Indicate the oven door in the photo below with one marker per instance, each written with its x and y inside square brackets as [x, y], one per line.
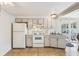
[38, 39]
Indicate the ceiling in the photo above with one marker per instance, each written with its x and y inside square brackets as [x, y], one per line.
[74, 14]
[36, 8]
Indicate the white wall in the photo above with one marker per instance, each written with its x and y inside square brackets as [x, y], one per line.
[5, 32]
[69, 21]
[54, 25]
[64, 20]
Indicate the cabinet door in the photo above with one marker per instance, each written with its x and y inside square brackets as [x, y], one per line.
[18, 20]
[45, 23]
[35, 21]
[47, 40]
[29, 41]
[29, 24]
[18, 40]
[41, 21]
[53, 42]
[61, 43]
[25, 20]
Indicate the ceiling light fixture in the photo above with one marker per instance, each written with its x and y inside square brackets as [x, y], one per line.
[53, 15]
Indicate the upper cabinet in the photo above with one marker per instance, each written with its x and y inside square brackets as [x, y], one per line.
[35, 21]
[39, 22]
[21, 20]
[18, 20]
[30, 23]
[45, 23]
[24, 20]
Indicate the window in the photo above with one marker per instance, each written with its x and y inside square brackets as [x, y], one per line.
[73, 25]
[64, 28]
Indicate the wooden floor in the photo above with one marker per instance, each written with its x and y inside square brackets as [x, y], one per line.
[36, 52]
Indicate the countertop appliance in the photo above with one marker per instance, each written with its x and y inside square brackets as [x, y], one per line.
[19, 31]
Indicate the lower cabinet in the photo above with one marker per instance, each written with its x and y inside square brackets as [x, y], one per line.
[61, 43]
[57, 41]
[47, 41]
[53, 42]
[29, 41]
[38, 45]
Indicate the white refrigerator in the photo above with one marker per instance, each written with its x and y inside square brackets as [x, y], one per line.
[19, 31]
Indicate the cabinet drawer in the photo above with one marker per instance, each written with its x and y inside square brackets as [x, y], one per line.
[38, 45]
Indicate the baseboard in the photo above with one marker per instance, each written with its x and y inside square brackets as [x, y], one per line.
[46, 46]
[29, 47]
[53, 47]
[5, 52]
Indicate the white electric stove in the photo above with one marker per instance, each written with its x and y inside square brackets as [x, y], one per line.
[38, 39]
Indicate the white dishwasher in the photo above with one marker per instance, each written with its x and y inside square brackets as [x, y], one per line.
[38, 40]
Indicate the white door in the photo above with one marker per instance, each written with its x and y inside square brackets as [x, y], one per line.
[18, 40]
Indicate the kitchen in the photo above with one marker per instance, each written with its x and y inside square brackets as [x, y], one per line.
[34, 32]
[38, 34]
